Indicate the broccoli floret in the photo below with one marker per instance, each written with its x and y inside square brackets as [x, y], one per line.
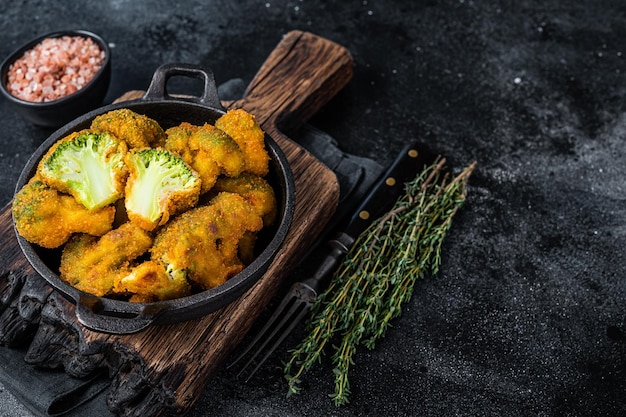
[208, 150]
[150, 281]
[48, 218]
[137, 130]
[160, 185]
[89, 166]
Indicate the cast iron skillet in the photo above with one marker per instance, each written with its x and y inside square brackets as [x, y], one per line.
[122, 317]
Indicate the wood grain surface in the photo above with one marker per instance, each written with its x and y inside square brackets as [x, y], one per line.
[167, 367]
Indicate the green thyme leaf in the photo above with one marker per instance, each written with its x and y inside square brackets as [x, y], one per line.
[378, 276]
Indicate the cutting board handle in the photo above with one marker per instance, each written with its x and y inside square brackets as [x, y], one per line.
[299, 77]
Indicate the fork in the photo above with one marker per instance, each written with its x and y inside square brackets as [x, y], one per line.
[302, 294]
[294, 306]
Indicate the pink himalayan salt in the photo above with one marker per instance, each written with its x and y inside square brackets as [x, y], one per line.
[54, 68]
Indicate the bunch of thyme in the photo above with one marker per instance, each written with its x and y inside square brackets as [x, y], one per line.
[378, 275]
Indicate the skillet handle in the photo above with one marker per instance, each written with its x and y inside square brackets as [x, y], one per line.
[158, 86]
[89, 314]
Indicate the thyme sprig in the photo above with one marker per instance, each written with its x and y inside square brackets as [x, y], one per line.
[378, 275]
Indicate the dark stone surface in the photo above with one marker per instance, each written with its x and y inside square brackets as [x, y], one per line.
[528, 313]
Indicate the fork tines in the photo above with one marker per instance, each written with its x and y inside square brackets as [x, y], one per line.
[292, 309]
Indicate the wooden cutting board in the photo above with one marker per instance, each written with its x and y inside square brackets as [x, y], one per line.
[167, 367]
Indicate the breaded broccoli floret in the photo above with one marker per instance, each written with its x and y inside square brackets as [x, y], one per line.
[48, 218]
[89, 166]
[160, 185]
[92, 264]
[137, 130]
[244, 129]
[150, 281]
[208, 150]
[256, 190]
[203, 243]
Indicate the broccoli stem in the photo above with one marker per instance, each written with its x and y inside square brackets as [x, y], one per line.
[96, 168]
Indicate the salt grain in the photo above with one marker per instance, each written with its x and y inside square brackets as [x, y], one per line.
[55, 68]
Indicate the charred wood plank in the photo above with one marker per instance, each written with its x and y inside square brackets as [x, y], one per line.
[20, 319]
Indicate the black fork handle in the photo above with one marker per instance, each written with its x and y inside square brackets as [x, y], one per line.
[340, 246]
[381, 197]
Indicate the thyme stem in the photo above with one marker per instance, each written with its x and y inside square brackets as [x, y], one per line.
[378, 275]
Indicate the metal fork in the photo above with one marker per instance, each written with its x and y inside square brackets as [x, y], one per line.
[303, 294]
[294, 306]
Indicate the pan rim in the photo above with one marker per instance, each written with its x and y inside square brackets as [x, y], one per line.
[194, 305]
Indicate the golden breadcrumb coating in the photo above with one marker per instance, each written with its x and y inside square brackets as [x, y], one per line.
[137, 130]
[244, 129]
[204, 241]
[92, 264]
[149, 282]
[256, 190]
[207, 149]
[48, 218]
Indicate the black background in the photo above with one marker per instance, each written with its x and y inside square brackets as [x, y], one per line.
[528, 313]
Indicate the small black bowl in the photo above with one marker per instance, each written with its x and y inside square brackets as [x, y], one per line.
[58, 112]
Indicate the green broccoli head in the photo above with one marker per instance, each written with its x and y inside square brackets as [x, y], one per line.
[89, 166]
[160, 185]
